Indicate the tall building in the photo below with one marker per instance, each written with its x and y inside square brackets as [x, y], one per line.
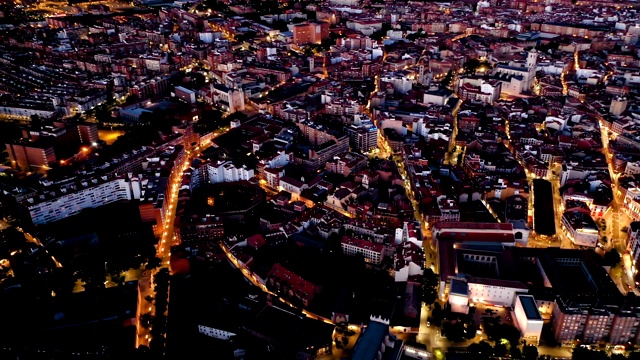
[88, 133]
[310, 33]
[31, 155]
[363, 134]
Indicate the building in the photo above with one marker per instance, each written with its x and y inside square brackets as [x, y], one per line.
[32, 155]
[215, 333]
[294, 186]
[310, 33]
[409, 261]
[372, 252]
[568, 322]
[580, 227]
[495, 292]
[346, 163]
[363, 134]
[291, 285]
[186, 95]
[226, 171]
[71, 198]
[633, 244]
[459, 296]
[478, 89]
[88, 133]
[528, 318]
[200, 229]
[376, 342]
[631, 204]
[229, 99]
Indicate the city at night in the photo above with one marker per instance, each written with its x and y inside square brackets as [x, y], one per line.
[320, 179]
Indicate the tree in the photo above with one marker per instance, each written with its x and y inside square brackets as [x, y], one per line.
[516, 353]
[612, 257]
[436, 314]
[500, 350]
[481, 350]
[446, 81]
[471, 65]
[529, 352]
[416, 35]
[430, 283]
[153, 263]
[458, 331]
[582, 353]
[146, 319]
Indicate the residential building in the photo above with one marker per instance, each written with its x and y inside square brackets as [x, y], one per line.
[363, 136]
[346, 163]
[226, 171]
[32, 155]
[580, 227]
[71, 198]
[291, 285]
[372, 252]
[310, 33]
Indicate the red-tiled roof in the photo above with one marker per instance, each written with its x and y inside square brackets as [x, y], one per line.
[300, 286]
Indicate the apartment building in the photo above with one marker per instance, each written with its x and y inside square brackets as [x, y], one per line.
[226, 171]
[372, 252]
[580, 227]
[310, 33]
[31, 155]
[71, 198]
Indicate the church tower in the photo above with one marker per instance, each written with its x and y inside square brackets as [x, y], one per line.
[532, 58]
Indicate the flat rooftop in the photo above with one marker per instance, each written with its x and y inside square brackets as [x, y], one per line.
[529, 307]
[459, 287]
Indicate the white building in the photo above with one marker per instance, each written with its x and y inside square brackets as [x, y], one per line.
[580, 228]
[631, 205]
[410, 261]
[280, 159]
[518, 78]
[459, 296]
[401, 83]
[292, 185]
[366, 27]
[215, 333]
[225, 171]
[528, 318]
[229, 99]
[494, 291]
[632, 168]
[69, 201]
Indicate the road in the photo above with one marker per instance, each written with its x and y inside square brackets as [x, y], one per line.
[164, 247]
[562, 239]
